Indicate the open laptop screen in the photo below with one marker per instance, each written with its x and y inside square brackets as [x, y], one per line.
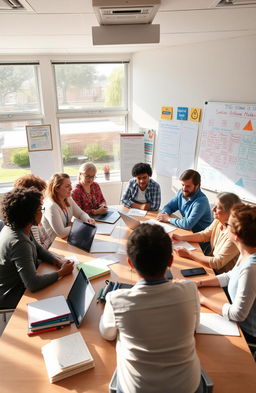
[80, 297]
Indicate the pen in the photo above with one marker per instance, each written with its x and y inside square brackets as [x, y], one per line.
[45, 330]
[99, 295]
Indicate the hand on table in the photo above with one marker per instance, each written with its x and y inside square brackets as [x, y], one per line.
[183, 252]
[66, 268]
[164, 217]
[101, 210]
[91, 221]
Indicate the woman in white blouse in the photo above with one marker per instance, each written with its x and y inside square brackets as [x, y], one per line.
[241, 280]
[60, 207]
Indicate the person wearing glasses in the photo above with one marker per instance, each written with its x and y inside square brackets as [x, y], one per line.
[240, 281]
[224, 252]
[87, 193]
[60, 208]
[38, 231]
[20, 254]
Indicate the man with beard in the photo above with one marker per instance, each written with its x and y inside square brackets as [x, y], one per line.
[191, 202]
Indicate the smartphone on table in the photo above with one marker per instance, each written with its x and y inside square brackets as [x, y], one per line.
[197, 271]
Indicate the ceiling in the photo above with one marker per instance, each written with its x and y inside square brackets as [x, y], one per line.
[64, 26]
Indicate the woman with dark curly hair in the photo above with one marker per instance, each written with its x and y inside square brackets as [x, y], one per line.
[19, 252]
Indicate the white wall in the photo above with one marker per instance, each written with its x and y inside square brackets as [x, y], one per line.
[189, 75]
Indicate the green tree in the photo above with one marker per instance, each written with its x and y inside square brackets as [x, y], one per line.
[74, 75]
[12, 79]
[114, 88]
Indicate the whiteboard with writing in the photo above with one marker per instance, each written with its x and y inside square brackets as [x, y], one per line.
[175, 147]
[227, 153]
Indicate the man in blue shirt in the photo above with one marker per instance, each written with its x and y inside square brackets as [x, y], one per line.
[142, 192]
[191, 202]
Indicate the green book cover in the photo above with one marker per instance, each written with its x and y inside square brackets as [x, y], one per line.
[93, 270]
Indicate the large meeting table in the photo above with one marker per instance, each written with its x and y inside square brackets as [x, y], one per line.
[226, 359]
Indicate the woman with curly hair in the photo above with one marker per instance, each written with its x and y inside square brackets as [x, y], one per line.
[20, 254]
[38, 231]
[60, 207]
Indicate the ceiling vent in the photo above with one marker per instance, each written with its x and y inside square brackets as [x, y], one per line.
[120, 12]
[15, 6]
[233, 3]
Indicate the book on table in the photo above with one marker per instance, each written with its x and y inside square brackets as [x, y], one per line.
[57, 311]
[66, 356]
[94, 269]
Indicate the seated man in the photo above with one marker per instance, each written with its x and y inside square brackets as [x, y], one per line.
[142, 192]
[154, 321]
[191, 202]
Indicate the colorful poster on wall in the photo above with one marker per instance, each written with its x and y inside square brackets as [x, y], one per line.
[166, 112]
[182, 113]
[195, 114]
[149, 139]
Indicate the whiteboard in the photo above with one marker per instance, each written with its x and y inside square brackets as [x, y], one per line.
[227, 152]
[131, 152]
[176, 146]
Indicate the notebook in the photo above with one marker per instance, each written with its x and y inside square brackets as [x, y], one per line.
[94, 269]
[81, 235]
[130, 221]
[66, 356]
[110, 217]
[51, 309]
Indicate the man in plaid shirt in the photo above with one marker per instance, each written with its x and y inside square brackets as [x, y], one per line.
[142, 192]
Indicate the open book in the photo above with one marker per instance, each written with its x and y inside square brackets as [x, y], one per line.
[66, 356]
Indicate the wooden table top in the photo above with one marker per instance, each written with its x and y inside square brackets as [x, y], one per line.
[226, 359]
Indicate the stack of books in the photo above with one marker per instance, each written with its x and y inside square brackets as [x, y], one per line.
[66, 356]
[48, 314]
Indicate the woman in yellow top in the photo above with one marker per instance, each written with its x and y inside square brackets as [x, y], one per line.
[224, 253]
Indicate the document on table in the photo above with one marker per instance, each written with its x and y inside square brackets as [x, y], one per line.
[104, 229]
[137, 212]
[168, 228]
[211, 323]
[102, 246]
[188, 246]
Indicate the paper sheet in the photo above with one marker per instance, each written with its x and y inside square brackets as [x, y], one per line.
[188, 246]
[211, 323]
[137, 212]
[168, 228]
[104, 229]
[102, 246]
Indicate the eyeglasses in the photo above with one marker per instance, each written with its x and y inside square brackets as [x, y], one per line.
[89, 177]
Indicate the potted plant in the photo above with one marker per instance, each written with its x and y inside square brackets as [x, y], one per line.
[106, 170]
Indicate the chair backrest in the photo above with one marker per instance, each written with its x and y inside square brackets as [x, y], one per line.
[1, 225]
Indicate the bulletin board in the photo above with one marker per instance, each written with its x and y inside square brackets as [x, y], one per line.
[227, 149]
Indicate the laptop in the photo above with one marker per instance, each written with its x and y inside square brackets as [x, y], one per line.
[110, 217]
[52, 311]
[130, 221]
[81, 235]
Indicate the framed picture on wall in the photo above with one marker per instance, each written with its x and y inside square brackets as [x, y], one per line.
[39, 137]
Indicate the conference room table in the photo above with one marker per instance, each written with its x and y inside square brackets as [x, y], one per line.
[226, 359]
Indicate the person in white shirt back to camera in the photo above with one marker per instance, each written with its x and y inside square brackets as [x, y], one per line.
[154, 321]
[60, 207]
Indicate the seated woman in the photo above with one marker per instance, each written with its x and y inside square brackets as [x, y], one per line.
[142, 192]
[224, 252]
[240, 281]
[60, 207]
[87, 193]
[38, 231]
[19, 252]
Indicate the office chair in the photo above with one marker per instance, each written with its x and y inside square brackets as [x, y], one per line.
[207, 382]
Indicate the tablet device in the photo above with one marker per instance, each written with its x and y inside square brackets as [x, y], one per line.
[81, 235]
[110, 217]
[198, 271]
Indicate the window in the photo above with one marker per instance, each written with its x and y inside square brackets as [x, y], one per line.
[92, 111]
[19, 106]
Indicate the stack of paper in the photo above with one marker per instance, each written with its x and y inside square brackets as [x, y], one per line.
[94, 269]
[66, 356]
[211, 323]
[48, 314]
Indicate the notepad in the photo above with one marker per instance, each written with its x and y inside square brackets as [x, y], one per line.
[66, 356]
[94, 269]
[168, 228]
[211, 323]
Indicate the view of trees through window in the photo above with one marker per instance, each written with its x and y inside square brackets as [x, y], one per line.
[89, 88]
[19, 96]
